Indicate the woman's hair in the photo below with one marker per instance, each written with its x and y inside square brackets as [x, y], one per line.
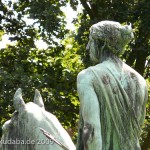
[111, 35]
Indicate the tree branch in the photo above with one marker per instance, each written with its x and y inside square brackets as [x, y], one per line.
[87, 8]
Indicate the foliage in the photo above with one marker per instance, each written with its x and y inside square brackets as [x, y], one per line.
[53, 70]
[23, 65]
[42, 69]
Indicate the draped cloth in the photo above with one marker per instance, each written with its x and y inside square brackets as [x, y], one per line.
[122, 97]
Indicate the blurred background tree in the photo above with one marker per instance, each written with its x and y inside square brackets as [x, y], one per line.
[53, 70]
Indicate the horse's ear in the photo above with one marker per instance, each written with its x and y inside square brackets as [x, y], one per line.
[38, 99]
[18, 101]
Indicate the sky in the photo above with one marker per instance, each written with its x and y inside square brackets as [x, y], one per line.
[70, 14]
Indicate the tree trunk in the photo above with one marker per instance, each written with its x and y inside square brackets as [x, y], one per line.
[140, 62]
[131, 59]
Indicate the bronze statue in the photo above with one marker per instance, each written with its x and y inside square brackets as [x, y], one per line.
[112, 95]
[24, 130]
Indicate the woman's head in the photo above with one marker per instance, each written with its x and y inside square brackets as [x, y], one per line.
[108, 36]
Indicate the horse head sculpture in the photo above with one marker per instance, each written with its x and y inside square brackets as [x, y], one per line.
[23, 130]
